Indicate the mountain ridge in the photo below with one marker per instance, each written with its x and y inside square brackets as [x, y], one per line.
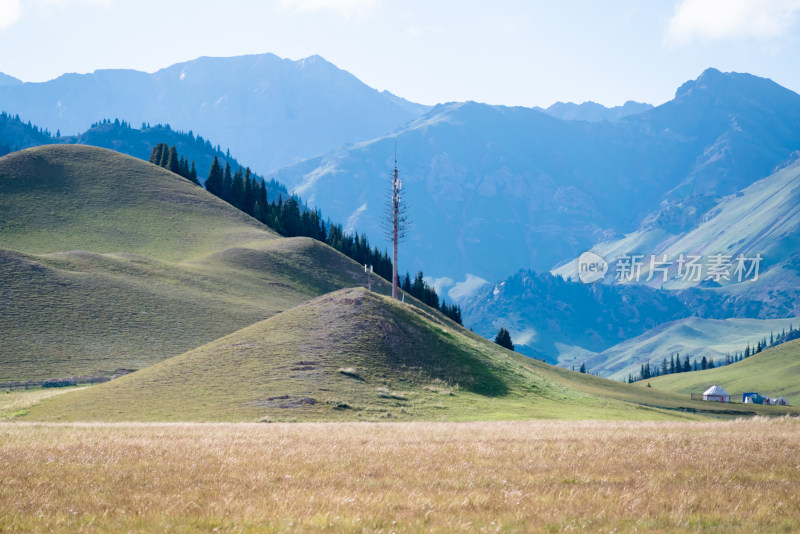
[539, 187]
[593, 112]
[270, 111]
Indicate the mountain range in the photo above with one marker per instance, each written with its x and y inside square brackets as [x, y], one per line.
[594, 112]
[493, 189]
[270, 111]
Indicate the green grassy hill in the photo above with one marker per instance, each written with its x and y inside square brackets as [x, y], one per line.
[61, 198]
[356, 355]
[108, 262]
[774, 372]
[694, 337]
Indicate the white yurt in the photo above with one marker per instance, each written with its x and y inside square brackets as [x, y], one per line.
[781, 401]
[716, 393]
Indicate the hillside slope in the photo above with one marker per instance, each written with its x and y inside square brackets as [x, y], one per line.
[356, 355]
[774, 372]
[108, 262]
[61, 198]
[693, 337]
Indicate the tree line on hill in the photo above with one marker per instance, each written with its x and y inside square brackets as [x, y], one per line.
[246, 191]
[168, 158]
[675, 365]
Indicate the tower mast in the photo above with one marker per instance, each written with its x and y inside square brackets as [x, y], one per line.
[396, 185]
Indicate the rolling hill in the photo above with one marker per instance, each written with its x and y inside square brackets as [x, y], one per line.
[356, 355]
[693, 337]
[774, 372]
[108, 262]
[270, 111]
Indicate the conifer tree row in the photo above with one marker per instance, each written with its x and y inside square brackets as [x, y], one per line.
[248, 192]
[167, 157]
[675, 364]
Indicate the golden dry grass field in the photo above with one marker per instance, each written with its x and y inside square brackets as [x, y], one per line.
[538, 476]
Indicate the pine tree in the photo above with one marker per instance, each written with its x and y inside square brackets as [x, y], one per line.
[157, 154]
[406, 285]
[249, 193]
[173, 163]
[164, 156]
[193, 174]
[214, 181]
[227, 185]
[291, 218]
[583, 368]
[237, 190]
[503, 339]
[185, 168]
[262, 200]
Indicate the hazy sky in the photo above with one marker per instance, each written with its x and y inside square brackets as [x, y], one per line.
[501, 52]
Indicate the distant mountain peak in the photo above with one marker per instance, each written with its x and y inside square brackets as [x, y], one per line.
[732, 83]
[5, 79]
[593, 112]
[315, 58]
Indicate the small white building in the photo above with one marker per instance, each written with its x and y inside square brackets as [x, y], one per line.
[716, 393]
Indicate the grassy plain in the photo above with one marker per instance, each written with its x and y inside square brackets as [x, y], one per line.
[737, 476]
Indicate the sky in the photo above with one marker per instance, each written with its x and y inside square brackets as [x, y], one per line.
[510, 52]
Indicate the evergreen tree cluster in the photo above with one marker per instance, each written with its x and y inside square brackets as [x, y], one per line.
[675, 365]
[167, 157]
[16, 134]
[419, 289]
[248, 192]
[503, 339]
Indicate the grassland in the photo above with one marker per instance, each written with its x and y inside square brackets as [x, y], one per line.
[107, 262]
[403, 477]
[774, 372]
[353, 355]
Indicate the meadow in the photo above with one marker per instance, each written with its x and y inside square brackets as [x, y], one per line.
[532, 476]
